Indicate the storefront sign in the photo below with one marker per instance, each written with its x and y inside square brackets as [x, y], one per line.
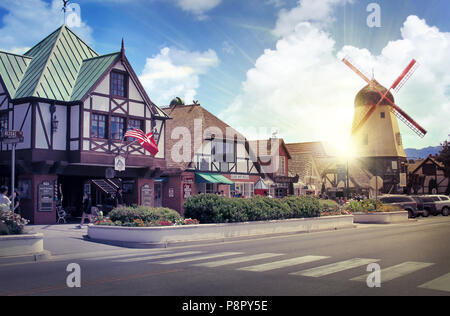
[240, 177]
[187, 190]
[146, 195]
[12, 137]
[45, 197]
[171, 192]
[281, 179]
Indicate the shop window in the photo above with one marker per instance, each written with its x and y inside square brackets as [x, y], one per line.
[98, 126]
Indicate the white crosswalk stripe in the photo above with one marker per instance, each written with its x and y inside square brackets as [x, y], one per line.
[196, 258]
[282, 264]
[123, 256]
[440, 284]
[224, 262]
[335, 267]
[396, 271]
[169, 255]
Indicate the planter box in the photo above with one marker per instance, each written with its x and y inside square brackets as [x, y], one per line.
[21, 245]
[141, 237]
[381, 218]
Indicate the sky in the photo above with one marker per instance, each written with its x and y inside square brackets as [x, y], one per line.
[265, 65]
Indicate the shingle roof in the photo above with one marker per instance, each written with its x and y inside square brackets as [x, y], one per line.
[189, 116]
[317, 149]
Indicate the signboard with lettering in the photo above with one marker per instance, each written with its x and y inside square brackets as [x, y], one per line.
[146, 195]
[171, 192]
[45, 197]
[12, 137]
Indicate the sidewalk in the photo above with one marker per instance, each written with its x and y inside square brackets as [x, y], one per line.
[67, 239]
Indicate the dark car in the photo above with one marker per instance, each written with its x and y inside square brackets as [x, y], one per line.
[405, 202]
[426, 204]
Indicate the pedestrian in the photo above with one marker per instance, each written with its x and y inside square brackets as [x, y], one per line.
[109, 204]
[87, 209]
[16, 208]
[3, 196]
[119, 198]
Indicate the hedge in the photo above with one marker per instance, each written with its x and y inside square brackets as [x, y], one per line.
[128, 215]
[211, 208]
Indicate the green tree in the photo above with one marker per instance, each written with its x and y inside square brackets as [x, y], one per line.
[444, 158]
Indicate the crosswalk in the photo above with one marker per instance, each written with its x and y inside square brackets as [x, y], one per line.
[267, 262]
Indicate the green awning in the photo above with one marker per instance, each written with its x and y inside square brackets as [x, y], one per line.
[211, 178]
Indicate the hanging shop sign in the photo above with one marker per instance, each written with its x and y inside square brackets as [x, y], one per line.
[119, 163]
[11, 137]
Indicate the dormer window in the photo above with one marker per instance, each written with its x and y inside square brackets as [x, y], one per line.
[118, 84]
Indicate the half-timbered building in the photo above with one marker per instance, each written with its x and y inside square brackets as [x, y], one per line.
[205, 155]
[73, 106]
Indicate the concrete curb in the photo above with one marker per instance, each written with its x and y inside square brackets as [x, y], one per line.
[163, 237]
[35, 257]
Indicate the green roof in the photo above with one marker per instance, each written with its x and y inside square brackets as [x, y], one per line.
[91, 70]
[61, 67]
[12, 69]
[54, 67]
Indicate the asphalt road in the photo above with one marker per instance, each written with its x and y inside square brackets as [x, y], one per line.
[414, 259]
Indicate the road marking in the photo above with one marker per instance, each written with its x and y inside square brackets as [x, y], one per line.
[169, 255]
[396, 271]
[123, 256]
[224, 262]
[195, 258]
[282, 264]
[335, 267]
[440, 284]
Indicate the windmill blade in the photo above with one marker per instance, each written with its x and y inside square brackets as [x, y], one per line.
[406, 74]
[405, 118]
[353, 66]
[402, 116]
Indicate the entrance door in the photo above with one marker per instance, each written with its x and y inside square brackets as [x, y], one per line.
[158, 194]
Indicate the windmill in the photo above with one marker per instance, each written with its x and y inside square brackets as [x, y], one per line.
[375, 131]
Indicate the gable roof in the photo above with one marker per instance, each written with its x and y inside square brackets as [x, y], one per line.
[62, 67]
[317, 149]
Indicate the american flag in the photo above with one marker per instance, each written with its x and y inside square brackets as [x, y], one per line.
[147, 141]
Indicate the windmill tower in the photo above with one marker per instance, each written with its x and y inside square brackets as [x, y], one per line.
[375, 131]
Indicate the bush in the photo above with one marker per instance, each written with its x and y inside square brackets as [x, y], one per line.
[12, 224]
[141, 216]
[368, 205]
[211, 208]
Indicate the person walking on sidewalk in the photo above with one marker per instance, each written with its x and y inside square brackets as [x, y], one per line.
[87, 206]
[4, 197]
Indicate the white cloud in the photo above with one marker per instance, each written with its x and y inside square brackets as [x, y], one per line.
[313, 11]
[303, 87]
[28, 22]
[176, 73]
[198, 7]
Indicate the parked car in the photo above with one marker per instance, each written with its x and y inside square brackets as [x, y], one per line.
[405, 202]
[442, 204]
[426, 204]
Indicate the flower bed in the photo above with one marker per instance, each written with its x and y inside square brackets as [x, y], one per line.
[144, 217]
[11, 223]
[371, 211]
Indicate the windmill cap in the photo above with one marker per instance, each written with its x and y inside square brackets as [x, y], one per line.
[369, 95]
